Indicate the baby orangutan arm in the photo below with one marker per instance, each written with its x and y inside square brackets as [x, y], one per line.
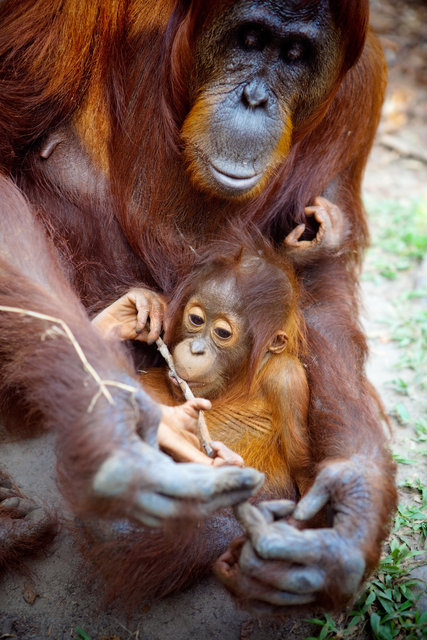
[177, 436]
[126, 318]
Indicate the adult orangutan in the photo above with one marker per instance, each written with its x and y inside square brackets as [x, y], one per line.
[136, 131]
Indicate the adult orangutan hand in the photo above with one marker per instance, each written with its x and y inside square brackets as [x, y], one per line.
[329, 239]
[279, 566]
[137, 481]
[153, 489]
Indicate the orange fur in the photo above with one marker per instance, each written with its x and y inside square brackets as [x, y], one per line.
[127, 66]
[264, 421]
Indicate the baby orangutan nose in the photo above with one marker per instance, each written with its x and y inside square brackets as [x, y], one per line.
[198, 347]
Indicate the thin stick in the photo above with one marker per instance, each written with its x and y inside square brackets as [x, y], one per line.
[103, 384]
[189, 395]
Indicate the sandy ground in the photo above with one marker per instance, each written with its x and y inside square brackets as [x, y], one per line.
[63, 601]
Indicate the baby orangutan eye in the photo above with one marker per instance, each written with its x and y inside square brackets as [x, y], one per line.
[222, 329]
[196, 320]
[224, 334]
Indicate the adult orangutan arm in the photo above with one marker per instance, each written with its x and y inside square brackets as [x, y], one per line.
[85, 390]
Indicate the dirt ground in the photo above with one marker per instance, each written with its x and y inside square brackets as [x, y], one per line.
[396, 177]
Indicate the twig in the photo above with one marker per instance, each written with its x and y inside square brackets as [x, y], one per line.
[103, 384]
[403, 148]
[189, 395]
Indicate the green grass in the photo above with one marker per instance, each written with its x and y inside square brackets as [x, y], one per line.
[398, 236]
[387, 607]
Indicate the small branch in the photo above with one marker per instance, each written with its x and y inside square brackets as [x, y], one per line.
[67, 333]
[189, 395]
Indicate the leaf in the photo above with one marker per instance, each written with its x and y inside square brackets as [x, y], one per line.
[370, 599]
[81, 635]
[422, 620]
[402, 412]
[324, 632]
[354, 621]
[375, 624]
[386, 604]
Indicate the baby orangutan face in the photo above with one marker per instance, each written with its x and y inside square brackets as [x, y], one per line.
[213, 346]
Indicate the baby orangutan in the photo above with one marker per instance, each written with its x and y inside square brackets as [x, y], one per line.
[236, 332]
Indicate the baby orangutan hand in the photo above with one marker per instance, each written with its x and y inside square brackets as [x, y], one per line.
[177, 436]
[330, 236]
[126, 318]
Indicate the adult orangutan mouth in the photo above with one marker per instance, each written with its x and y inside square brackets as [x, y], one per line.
[233, 181]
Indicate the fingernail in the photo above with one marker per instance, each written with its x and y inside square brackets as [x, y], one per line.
[10, 502]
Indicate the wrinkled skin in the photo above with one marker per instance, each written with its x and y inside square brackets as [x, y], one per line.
[161, 491]
[280, 566]
[329, 238]
[270, 55]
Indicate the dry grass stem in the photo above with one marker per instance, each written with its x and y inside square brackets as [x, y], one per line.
[66, 332]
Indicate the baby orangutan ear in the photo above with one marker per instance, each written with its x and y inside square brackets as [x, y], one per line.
[278, 343]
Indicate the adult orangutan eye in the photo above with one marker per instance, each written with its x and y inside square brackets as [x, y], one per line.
[295, 51]
[253, 37]
[196, 320]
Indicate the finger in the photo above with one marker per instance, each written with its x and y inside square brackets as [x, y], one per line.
[250, 518]
[310, 211]
[189, 510]
[301, 580]
[20, 506]
[313, 501]
[292, 239]
[148, 521]
[324, 226]
[141, 336]
[220, 501]
[156, 318]
[274, 509]
[281, 541]
[253, 591]
[157, 506]
[6, 493]
[331, 213]
[142, 315]
[323, 202]
[225, 455]
[196, 482]
[185, 451]
[195, 405]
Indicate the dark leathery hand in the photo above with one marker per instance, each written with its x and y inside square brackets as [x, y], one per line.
[284, 566]
[154, 489]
